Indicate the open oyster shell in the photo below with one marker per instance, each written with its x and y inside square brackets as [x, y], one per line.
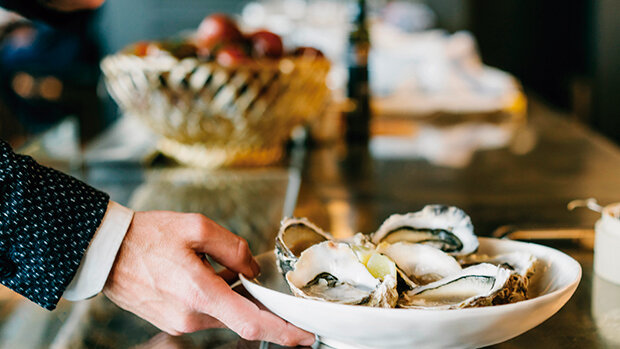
[331, 271]
[445, 227]
[479, 285]
[522, 263]
[294, 237]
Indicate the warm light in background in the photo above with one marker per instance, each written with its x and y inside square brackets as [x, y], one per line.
[340, 217]
[50, 88]
[23, 85]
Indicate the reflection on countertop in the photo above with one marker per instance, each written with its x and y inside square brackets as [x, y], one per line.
[606, 309]
[248, 202]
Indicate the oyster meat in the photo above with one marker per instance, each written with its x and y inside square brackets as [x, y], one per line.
[331, 271]
[479, 285]
[522, 265]
[422, 264]
[447, 228]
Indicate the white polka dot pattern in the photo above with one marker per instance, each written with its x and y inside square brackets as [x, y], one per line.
[47, 220]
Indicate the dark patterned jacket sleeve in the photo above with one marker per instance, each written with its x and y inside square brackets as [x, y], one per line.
[47, 220]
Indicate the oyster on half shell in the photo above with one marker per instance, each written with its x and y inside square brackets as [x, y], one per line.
[479, 285]
[331, 271]
[447, 228]
[295, 236]
[522, 263]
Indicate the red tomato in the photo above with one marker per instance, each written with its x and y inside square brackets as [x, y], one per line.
[146, 48]
[266, 44]
[215, 30]
[310, 52]
[141, 48]
[231, 56]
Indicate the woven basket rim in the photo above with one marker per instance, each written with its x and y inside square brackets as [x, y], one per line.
[166, 62]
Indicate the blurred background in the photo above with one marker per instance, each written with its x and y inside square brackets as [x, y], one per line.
[483, 104]
[564, 53]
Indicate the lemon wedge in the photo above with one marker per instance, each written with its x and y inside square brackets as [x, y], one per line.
[380, 266]
[363, 253]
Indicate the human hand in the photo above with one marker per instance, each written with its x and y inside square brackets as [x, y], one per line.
[161, 275]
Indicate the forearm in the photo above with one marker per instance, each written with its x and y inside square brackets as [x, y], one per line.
[47, 220]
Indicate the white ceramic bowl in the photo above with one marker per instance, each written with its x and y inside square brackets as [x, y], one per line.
[347, 326]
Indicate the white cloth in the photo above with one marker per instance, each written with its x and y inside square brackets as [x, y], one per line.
[101, 253]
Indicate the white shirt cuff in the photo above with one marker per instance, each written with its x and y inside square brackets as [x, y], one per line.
[101, 253]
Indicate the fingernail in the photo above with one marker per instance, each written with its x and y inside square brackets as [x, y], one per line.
[255, 267]
[307, 342]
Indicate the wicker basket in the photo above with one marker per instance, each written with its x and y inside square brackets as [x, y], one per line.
[212, 116]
